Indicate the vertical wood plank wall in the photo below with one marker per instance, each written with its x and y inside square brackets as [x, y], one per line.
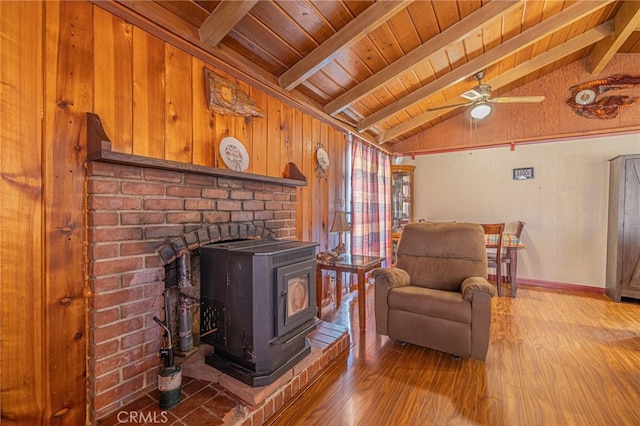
[22, 358]
[59, 60]
[68, 86]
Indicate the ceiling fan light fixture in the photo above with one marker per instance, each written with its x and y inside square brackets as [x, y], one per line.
[480, 111]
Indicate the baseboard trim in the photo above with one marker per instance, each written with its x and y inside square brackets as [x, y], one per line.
[556, 285]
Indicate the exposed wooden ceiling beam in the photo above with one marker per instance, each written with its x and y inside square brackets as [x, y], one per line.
[519, 42]
[374, 16]
[627, 19]
[223, 19]
[573, 45]
[422, 53]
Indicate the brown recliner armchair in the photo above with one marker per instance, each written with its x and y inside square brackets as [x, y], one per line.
[437, 295]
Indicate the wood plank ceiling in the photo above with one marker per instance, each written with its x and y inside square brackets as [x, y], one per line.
[376, 68]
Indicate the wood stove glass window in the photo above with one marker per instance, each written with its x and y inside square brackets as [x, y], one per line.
[297, 300]
[297, 294]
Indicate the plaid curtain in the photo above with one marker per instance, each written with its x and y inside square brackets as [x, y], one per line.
[371, 200]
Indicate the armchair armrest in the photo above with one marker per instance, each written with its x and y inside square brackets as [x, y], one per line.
[391, 277]
[472, 285]
[478, 291]
[386, 279]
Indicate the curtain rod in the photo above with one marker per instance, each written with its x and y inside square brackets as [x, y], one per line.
[371, 144]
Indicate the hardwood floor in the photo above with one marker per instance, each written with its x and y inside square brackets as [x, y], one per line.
[555, 358]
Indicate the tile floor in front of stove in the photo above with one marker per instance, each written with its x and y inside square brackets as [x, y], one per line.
[201, 403]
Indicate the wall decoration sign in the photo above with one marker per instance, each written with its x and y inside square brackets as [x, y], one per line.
[224, 97]
[584, 97]
[523, 173]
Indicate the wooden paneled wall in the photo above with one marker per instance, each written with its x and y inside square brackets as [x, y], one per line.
[59, 60]
[23, 358]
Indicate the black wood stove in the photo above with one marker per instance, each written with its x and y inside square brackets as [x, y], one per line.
[258, 303]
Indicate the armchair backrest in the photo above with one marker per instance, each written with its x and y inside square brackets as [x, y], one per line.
[442, 255]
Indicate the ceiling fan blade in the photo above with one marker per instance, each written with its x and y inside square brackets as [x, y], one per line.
[450, 106]
[516, 99]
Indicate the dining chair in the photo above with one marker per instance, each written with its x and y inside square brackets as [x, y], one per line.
[494, 249]
[506, 259]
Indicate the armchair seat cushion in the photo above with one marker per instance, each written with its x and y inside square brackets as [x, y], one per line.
[430, 302]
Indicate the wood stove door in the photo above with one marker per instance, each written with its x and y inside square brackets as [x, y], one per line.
[295, 296]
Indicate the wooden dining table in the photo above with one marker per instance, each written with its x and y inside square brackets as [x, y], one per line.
[510, 246]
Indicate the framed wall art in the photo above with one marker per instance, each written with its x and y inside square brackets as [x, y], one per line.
[523, 173]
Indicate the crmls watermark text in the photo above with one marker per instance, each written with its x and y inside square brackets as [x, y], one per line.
[142, 417]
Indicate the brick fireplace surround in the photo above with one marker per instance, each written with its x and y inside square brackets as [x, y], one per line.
[141, 219]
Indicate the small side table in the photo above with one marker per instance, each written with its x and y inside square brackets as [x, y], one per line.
[354, 264]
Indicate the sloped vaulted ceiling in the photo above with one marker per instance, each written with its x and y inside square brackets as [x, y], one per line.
[378, 68]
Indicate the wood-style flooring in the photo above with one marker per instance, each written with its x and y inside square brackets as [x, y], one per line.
[555, 358]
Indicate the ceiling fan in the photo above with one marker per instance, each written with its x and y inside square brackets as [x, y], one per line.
[480, 98]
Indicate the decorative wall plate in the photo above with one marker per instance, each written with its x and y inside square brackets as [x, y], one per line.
[234, 154]
[323, 158]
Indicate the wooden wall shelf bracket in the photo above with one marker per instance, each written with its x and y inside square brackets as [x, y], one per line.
[99, 149]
